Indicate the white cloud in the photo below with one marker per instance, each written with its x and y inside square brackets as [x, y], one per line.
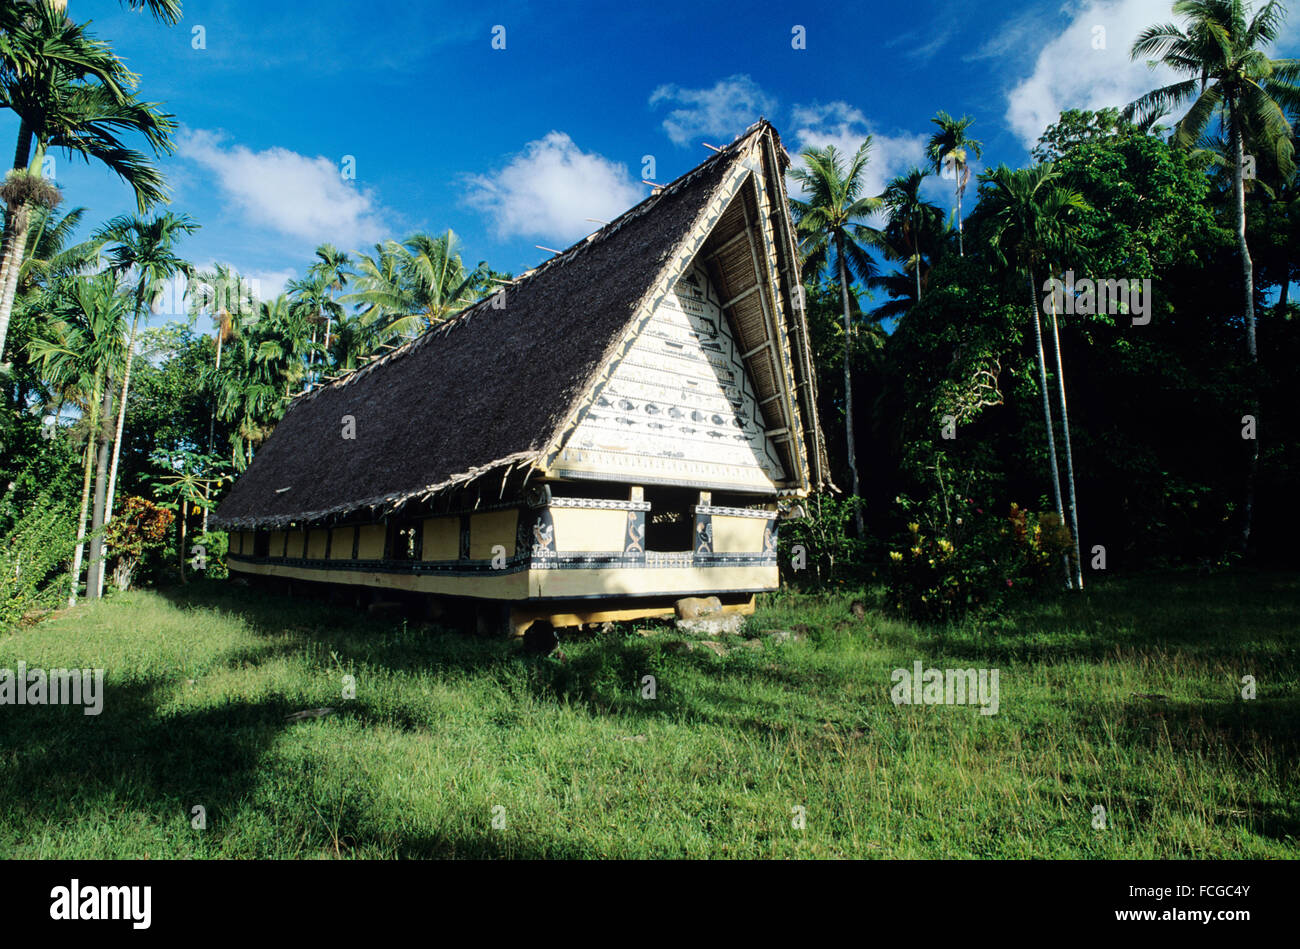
[845, 126]
[286, 192]
[550, 188]
[1070, 73]
[268, 284]
[723, 112]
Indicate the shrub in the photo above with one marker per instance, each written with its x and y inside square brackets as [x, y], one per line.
[138, 526]
[32, 557]
[982, 559]
[815, 548]
[214, 545]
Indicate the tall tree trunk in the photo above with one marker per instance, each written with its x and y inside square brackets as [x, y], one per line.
[1047, 415]
[85, 493]
[916, 248]
[212, 426]
[22, 153]
[180, 543]
[961, 243]
[1069, 455]
[120, 433]
[11, 261]
[848, 385]
[1248, 280]
[23, 150]
[95, 568]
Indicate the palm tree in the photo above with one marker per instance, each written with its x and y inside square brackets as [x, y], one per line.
[831, 224]
[313, 302]
[1231, 79]
[353, 341]
[1030, 213]
[913, 226]
[408, 287]
[265, 362]
[334, 266]
[949, 148]
[71, 93]
[83, 347]
[144, 248]
[51, 257]
[212, 291]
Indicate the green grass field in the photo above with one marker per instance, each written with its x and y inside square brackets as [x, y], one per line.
[448, 732]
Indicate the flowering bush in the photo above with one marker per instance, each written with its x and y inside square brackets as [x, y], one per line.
[138, 526]
[982, 559]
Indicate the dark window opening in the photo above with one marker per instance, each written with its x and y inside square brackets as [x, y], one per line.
[670, 522]
[404, 540]
[262, 544]
[740, 500]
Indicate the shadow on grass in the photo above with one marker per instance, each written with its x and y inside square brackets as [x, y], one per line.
[601, 675]
[1257, 738]
[61, 768]
[1248, 613]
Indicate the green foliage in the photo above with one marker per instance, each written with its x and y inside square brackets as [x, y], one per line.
[32, 555]
[815, 550]
[978, 561]
[36, 459]
[138, 526]
[215, 545]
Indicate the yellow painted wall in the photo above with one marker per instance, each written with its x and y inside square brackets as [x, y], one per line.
[651, 581]
[495, 585]
[441, 539]
[553, 583]
[316, 544]
[488, 530]
[371, 544]
[341, 543]
[737, 535]
[277, 544]
[583, 529]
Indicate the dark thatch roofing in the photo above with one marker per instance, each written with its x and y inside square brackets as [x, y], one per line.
[488, 388]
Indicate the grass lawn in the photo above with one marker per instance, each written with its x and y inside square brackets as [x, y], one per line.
[448, 732]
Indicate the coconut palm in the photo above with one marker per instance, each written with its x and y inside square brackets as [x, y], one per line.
[334, 266]
[82, 348]
[913, 237]
[353, 341]
[71, 93]
[832, 225]
[1030, 214]
[143, 248]
[1229, 79]
[910, 219]
[948, 149]
[408, 287]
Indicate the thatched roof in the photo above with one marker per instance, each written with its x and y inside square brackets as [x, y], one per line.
[492, 387]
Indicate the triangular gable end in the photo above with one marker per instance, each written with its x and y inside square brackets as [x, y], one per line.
[701, 390]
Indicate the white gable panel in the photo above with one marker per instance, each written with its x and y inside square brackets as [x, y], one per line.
[679, 408]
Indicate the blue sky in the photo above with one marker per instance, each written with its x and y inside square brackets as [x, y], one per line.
[517, 147]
